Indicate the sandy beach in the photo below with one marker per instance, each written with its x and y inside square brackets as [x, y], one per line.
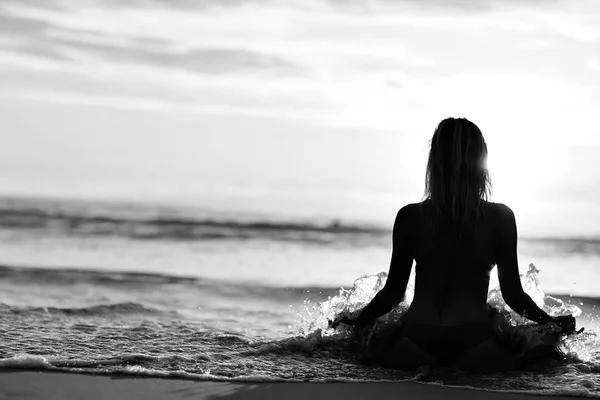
[50, 386]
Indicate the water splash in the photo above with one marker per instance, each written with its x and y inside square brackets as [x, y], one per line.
[313, 318]
[531, 285]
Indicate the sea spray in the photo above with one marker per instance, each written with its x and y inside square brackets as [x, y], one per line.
[313, 318]
[531, 286]
[350, 301]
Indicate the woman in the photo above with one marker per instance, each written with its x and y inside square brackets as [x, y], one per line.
[456, 238]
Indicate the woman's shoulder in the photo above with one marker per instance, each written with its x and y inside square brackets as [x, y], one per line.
[412, 208]
[411, 212]
[407, 217]
[501, 209]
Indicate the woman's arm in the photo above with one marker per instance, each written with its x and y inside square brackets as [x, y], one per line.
[401, 263]
[508, 271]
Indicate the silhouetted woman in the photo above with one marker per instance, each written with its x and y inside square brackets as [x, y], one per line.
[456, 238]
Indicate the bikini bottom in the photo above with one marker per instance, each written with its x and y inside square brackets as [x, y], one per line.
[448, 343]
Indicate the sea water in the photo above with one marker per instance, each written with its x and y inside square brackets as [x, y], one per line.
[125, 289]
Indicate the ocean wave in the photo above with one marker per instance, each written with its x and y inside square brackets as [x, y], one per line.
[41, 363]
[124, 280]
[73, 275]
[151, 222]
[156, 227]
[101, 310]
[278, 364]
[199, 350]
[60, 276]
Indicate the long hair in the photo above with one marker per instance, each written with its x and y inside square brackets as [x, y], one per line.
[457, 179]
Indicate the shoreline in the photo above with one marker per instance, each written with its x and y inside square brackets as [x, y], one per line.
[26, 384]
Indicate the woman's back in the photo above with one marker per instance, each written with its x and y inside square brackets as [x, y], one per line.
[452, 278]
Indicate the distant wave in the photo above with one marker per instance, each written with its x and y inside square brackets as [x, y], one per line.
[23, 276]
[74, 222]
[27, 275]
[145, 222]
[102, 310]
[72, 275]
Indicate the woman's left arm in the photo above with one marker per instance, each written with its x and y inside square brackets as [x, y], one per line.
[394, 289]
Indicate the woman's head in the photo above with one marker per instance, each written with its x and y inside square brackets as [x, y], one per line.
[457, 179]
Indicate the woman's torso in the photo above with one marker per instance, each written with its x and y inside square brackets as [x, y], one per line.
[452, 282]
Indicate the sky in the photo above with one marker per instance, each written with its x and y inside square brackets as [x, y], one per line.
[312, 109]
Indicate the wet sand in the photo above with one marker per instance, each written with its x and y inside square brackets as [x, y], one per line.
[53, 385]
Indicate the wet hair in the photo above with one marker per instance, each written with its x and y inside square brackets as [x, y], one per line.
[457, 179]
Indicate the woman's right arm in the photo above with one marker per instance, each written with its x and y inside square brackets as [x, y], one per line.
[508, 270]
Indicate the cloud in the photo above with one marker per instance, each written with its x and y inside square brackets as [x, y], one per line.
[312, 116]
[14, 25]
[441, 5]
[152, 104]
[200, 61]
[40, 50]
[146, 104]
[48, 39]
[369, 64]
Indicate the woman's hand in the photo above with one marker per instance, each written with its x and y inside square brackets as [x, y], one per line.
[341, 319]
[566, 324]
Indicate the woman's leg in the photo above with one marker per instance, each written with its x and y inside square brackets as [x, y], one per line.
[405, 354]
[487, 356]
